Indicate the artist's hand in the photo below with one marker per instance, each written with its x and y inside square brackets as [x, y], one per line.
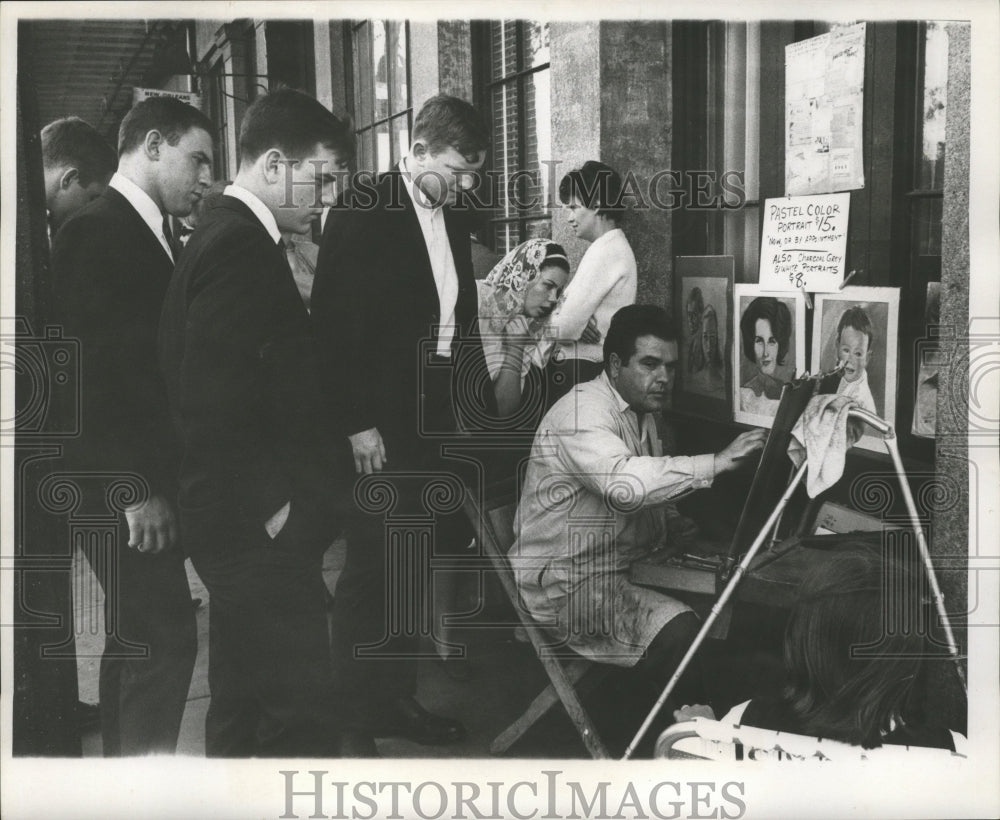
[369, 451]
[152, 525]
[744, 445]
[591, 335]
[687, 712]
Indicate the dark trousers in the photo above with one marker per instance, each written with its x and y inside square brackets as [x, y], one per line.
[401, 521]
[664, 654]
[150, 649]
[268, 665]
[382, 607]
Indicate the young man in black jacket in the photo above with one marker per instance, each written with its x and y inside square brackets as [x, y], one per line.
[261, 470]
[111, 262]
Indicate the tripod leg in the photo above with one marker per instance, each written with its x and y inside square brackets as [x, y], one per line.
[717, 608]
[925, 555]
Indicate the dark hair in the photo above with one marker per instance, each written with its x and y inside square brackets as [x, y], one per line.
[597, 186]
[555, 254]
[171, 117]
[294, 122]
[75, 142]
[448, 122]
[852, 646]
[696, 300]
[709, 315]
[778, 316]
[632, 322]
[857, 318]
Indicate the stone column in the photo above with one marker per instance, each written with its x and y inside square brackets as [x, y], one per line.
[455, 58]
[424, 79]
[636, 119]
[950, 542]
[614, 104]
[576, 113]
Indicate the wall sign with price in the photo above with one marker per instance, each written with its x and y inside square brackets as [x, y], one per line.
[804, 242]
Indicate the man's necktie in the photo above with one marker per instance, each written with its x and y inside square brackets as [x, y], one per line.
[169, 236]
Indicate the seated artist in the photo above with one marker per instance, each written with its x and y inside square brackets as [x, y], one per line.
[596, 497]
[833, 688]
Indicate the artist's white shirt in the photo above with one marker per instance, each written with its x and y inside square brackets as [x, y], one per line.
[144, 206]
[442, 262]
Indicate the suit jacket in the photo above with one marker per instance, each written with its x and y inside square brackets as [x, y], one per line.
[110, 274]
[375, 307]
[236, 350]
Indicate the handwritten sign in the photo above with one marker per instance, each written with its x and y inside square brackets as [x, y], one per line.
[804, 242]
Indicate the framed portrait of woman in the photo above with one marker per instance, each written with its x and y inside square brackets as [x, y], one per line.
[858, 329]
[769, 349]
[704, 304]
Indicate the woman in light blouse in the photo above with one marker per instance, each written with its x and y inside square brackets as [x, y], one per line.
[604, 281]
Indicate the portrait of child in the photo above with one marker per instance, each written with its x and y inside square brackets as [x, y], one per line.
[855, 340]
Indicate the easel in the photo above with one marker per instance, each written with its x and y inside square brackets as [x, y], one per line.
[794, 398]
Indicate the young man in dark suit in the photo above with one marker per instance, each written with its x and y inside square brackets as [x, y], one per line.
[78, 164]
[111, 264]
[261, 474]
[394, 305]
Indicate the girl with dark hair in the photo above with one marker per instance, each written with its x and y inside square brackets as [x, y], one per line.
[766, 331]
[710, 378]
[605, 280]
[853, 651]
[694, 307]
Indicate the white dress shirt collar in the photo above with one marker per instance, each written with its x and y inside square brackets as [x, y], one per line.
[438, 244]
[622, 404]
[144, 206]
[260, 210]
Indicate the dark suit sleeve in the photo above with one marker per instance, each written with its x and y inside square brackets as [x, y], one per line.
[125, 426]
[345, 315]
[227, 336]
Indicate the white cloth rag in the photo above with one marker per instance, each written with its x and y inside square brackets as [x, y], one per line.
[822, 436]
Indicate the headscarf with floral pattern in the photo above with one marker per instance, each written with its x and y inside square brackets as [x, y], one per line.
[504, 289]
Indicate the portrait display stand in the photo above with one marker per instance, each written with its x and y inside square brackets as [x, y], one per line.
[793, 400]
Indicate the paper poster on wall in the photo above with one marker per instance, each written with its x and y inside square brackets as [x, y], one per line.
[824, 92]
[804, 242]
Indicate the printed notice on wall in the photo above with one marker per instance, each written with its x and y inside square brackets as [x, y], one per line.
[824, 92]
[804, 242]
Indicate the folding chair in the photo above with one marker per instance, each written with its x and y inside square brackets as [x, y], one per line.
[704, 739]
[570, 675]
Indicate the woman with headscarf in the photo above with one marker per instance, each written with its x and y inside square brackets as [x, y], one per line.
[514, 299]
